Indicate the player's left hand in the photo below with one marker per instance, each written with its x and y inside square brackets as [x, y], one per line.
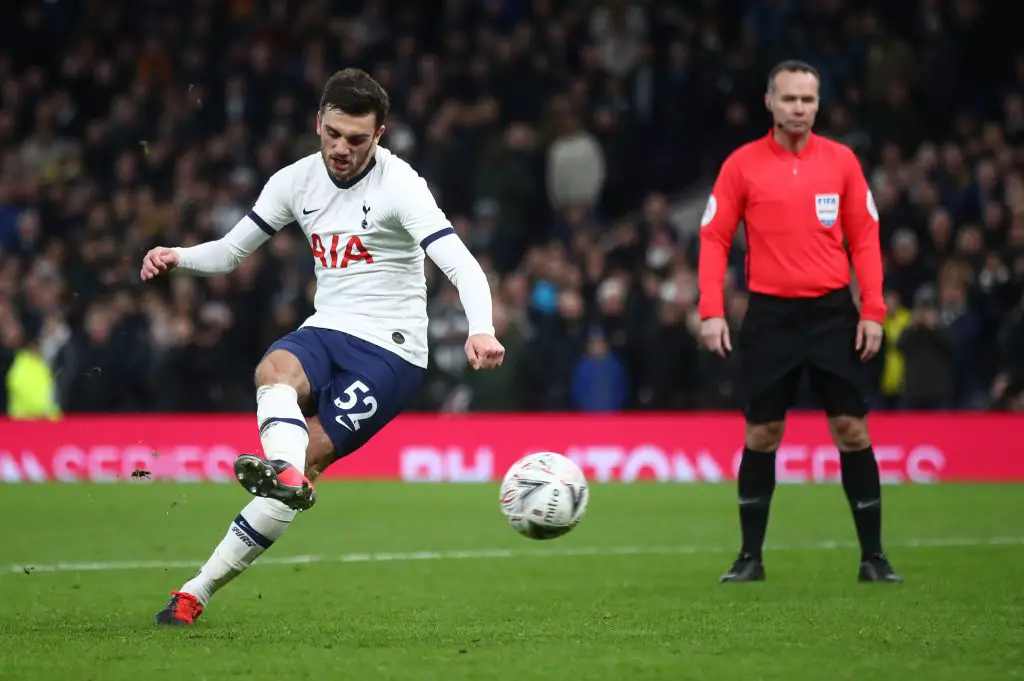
[484, 351]
[869, 339]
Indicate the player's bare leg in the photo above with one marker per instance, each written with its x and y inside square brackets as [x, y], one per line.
[320, 453]
[862, 484]
[250, 534]
[756, 485]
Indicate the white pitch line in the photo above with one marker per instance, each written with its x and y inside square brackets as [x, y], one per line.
[107, 566]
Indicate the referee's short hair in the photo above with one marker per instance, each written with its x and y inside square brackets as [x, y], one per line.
[791, 66]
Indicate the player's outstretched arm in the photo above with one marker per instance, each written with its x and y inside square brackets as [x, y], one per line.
[213, 258]
[208, 259]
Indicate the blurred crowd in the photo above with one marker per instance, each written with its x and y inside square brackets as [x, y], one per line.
[557, 135]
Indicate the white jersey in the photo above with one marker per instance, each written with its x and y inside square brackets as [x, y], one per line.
[368, 237]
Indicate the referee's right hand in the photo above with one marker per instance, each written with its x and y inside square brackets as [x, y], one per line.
[715, 333]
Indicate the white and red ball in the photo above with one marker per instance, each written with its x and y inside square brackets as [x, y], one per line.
[544, 495]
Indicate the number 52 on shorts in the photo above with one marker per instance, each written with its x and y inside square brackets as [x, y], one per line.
[356, 405]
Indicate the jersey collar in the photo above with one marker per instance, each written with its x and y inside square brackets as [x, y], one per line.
[779, 150]
[355, 180]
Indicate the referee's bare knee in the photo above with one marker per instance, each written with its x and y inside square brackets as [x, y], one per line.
[764, 437]
[850, 433]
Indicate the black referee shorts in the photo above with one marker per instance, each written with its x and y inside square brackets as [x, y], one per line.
[781, 337]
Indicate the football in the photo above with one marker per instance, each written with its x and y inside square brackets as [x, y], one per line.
[544, 495]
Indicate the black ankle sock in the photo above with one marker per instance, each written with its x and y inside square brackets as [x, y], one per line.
[756, 484]
[864, 491]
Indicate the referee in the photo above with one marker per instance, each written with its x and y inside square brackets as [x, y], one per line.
[802, 199]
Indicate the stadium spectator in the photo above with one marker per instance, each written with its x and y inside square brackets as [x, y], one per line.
[31, 390]
[599, 380]
[928, 348]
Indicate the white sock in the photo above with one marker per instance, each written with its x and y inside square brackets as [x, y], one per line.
[251, 533]
[283, 429]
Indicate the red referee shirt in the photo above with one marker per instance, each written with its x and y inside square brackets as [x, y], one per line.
[796, 210]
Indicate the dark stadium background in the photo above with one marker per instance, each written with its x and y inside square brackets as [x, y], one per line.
[572, 145]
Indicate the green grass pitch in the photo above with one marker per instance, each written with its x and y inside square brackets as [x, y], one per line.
[419, 582]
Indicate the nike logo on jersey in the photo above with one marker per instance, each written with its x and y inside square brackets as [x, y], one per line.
[307, 212]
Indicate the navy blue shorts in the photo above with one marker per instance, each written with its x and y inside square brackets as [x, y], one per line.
[358, 387]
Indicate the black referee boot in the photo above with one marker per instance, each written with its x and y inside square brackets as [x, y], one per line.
[876, 568]
[747, 568]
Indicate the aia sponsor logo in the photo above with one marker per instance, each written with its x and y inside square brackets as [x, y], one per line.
[337, 257]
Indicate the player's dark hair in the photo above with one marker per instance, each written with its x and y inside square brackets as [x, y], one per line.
[791, 66]
[355, 92]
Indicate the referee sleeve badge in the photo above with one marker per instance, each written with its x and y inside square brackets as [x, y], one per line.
[709, 211]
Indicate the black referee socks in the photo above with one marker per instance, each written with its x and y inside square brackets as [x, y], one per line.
[756, 484]
[864, 491]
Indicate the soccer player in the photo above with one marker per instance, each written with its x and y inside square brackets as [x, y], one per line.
[801, 198]
[353, 365]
